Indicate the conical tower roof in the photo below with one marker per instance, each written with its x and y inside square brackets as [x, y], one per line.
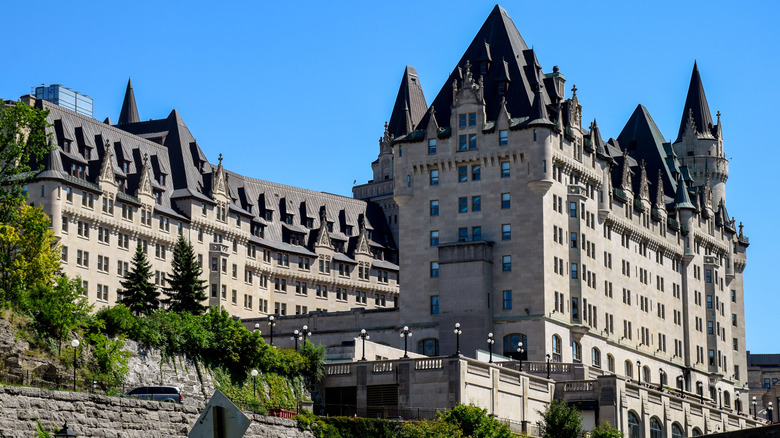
[500, 34]
[129, 112]
[410, 105]
[697, 107]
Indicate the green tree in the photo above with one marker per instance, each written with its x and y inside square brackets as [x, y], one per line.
[140, 294]
[186, 291]
[23, 141]
[29, 255]
[605, 430]
[474, 422]
[430, 429]
[57, 310]
[561, 421]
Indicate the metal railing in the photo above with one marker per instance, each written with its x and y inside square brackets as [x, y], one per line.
[58, 381]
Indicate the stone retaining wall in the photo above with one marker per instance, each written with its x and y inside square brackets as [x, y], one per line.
[92, 415]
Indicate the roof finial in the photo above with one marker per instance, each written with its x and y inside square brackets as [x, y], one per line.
[740, 228]
[220, 159]
[574, 90]
[718, 115]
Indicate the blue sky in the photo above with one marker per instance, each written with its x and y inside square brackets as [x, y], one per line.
[297, 92]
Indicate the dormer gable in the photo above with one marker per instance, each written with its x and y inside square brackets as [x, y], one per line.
[219, 189]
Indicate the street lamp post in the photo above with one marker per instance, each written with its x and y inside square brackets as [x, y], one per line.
[364, 336]
[254, 384]
[272, 324]
[296, 336]
[458, 332]
[75, 344]
[490, 342]
[257, 328]
[548, 365]
[769, 409]
[406, 334]
[661, 374]
[720, 399]
[754, 408]
[520, 352]
[639, 371]
[305, 332]
[737, 402]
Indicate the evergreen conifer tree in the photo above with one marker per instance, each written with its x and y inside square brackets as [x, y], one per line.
[186, 291]
[140, 294]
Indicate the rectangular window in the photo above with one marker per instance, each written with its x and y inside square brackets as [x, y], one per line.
[472, 141]
[476, 173]
[434, 304]
[472, 119]
[476, 203]
[434, 269]
[507, 299]
[476, 234]
[573, 271]
[434, 178]
[506, 263]
[463, 205]
[505, 169]
[462, 120]
[432, 146]
[463, 234]
[435, 207]
[462, 174]
[506, 232]
[435, 238]
[503, 137]
[505, 201]
[573, 209]
[462, 142]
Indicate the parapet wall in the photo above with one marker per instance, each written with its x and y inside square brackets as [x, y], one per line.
[113, 417]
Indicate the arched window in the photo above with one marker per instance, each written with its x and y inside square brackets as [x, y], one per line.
[646, 374]
[611, 363]
[556, 348]
[629, 369]
[677, 431]
[595, 356]
[655, 428]
[696, 432]
[510, 346]
[727, 398]
[428, 347]
[634, 429]
[576, 352]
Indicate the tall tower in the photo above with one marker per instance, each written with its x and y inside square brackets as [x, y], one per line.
[699, 144]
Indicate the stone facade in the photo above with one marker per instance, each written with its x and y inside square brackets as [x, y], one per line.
[112, 417]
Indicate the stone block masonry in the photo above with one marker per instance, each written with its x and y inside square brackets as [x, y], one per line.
[92, 415]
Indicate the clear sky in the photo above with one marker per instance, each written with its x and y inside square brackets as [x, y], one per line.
[297, 92]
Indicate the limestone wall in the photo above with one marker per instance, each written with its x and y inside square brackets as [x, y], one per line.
[112, 417]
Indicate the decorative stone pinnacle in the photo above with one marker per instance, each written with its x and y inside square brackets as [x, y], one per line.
[220, 159]
[574, 90]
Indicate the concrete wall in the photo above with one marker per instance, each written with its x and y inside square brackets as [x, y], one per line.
[101, 416]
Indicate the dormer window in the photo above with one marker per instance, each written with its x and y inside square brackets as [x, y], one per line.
[309, 222]
[162, 179]
[269, 215]
[126, 166]
[503, 87]
[288, 219]
[348, 230]
[66, 146]
[330, 227]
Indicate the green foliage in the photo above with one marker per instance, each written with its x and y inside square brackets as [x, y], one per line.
[354, 427]
[23, 141]
[315, 356]
[318, 427]
[438, 428]
[561, 421]
[140, 294]
[474, 422]
[40, 431]
[56, 310]
[29, 255]
[186, 291]
[109, 364]
[117, 320]
[605, 430]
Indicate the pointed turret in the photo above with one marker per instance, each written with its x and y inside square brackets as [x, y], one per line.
[129, 112]
[644, 140]
[681, 198]
[696, 107]
[660, 198]
[410, 105]
[644, 184]
[323, 237]
[538, 115]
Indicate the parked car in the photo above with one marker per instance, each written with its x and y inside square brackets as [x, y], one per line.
[157, 393]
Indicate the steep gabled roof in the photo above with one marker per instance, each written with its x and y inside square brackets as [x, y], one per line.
[129, 112]
[500, 34]
[644, 141]
[410, 105]
[696, 105]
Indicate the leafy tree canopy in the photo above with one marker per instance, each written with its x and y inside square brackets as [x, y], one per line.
[561, 421]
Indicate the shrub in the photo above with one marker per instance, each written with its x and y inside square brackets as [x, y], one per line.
[561, 421]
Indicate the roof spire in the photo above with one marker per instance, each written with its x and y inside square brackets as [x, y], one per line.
[681, 198]
[129, 112]
[409, 107]
[697, 107]
[660, 199]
